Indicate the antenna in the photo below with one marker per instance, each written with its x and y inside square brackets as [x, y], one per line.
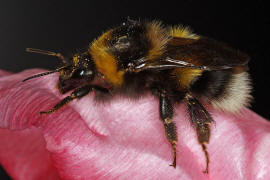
[49, 53]
[45, 73]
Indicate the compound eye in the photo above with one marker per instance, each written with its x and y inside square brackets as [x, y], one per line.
[82, 73]
[86, 73]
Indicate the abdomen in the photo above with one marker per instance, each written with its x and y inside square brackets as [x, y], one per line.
[224, 89]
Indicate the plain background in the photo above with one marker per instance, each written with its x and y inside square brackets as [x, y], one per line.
[68, 26]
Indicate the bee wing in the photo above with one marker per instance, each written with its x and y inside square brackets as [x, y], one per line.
[206, 52]
[203, 53]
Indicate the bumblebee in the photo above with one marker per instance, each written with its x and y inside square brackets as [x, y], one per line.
[172, 63]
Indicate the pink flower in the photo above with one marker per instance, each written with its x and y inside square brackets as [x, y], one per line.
[121, 139]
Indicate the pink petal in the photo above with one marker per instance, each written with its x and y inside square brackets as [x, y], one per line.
[121, 139]
[24, 156]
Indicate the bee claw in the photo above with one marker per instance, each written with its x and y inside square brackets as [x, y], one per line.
[206, 171]
[173, 165]
[44, 112]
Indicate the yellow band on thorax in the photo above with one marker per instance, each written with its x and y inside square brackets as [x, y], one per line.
[106, 63]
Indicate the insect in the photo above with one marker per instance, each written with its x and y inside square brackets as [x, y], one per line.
[172, 62]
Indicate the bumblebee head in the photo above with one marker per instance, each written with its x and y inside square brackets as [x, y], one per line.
[74, 73]
[81, 70]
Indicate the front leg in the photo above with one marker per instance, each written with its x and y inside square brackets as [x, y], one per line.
[166, 115]
[77, 93]
[201, 120]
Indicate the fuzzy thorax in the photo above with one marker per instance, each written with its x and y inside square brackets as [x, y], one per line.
[105, 62]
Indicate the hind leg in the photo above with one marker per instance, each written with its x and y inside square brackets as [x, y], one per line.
[201, 120]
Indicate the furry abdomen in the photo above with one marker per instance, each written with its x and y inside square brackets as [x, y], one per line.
[225, 90]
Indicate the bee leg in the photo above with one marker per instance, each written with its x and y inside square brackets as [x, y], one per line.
[166, 115]
[77, 93]
[201, 120]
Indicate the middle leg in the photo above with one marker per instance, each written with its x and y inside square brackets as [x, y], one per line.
[166, 115]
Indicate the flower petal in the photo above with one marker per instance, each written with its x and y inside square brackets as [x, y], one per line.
[23, 155]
